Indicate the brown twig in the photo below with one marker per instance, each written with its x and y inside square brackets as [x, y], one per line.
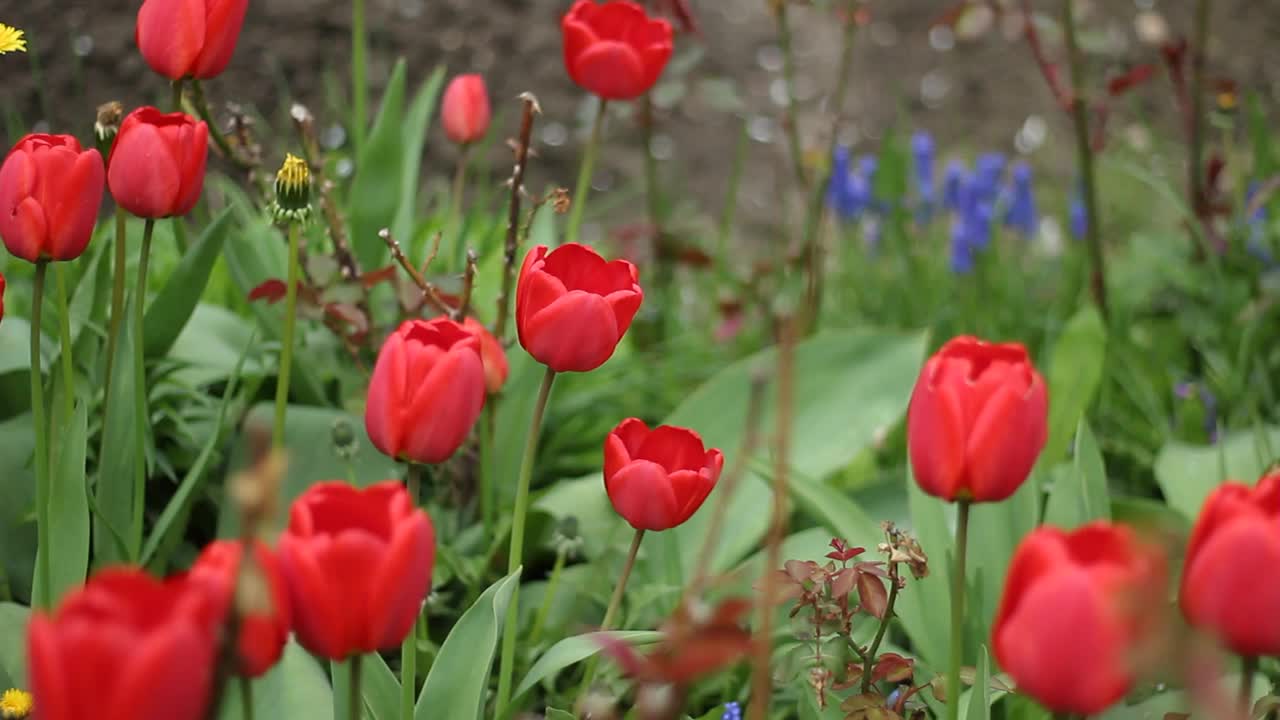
[1050, 71]
[429, 292]
[304, 124]
[1200, 201]
[791, 121]
[512, 242]
[468, 285]
[728, 485]
[761, 674]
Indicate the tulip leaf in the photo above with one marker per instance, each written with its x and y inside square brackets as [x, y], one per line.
[835, 511]
[1079, 493]
[169, 311]
[376, 188]
[979, 705]
[1188, 473]
[17, 512]
[380, 688]
[295, 688]
[459, 677]
[13, 645]
[309, 433]
[572, 650]
[836, 372]
[113, 497]
[417, 123]
[68, 499]
[15, 346]
[922, 609]
[1075, 373]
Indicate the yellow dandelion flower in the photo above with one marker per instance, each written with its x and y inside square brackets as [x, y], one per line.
[11, 40]
[15, 704]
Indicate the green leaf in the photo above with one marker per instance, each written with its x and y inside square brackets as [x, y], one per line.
[170, 310]
[17, 512]
[924, 610]
[555, 714]
[414, 135]
[870, 370]
[572, 650]
[295, 688]
[15, 346]
[69, 505]
[172, 523]
[380, 688]
[1188, 473]
[835, 511]
[113, 497]
[376, 188]
[1079, 494]
[979, 705]
[13, 645]
[312, 429]
[1075, 372]
[459, 676]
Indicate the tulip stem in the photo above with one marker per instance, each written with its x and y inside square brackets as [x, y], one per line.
[117, 296]
[354, 699]
[409, 649]
[286, 340]
[453, 222]
[553, 584]
[44, 584]
[140, 416]
[1248, 668]
[68, 368]
[176, 87]
[219, 138]
[1084, 153]
[506, 668]
[585, 171]
[246, 698]
[615, 602]
[957, 611]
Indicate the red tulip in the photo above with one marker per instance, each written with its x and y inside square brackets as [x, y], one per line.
[573, 307]
[1076, 614]
[189, 38]
[465, 109]
[156, 168]
[358, 565]
[2, 287]
[977, 421]
[1229, 585]
[656, 479]
[614, 50]
[263, 632]
[427, 390]
[493, 356]
[124, 646]
[50, 191]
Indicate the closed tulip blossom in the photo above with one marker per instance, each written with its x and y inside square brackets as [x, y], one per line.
[263, 629]
[125, 646]
[157, 163]
[464, 110]
[50, 192]
[1076, 615]
[1229, 581]
[614, 50]
[427, 390]
[573, 306]
[358, 564]
[977, 420]
[189, 38]
[658, 478]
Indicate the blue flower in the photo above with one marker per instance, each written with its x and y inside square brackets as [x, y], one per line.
[1078, 218]
[1021, 213]
[923, 152]
[953, 183]
[849, 192]
[986, 176]
[732, 711]
[961, 249]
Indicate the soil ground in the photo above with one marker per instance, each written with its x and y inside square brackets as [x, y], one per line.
[974, 94]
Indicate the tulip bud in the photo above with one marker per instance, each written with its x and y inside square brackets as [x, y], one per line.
[614, 49]
[657, 479]
[491, 354]
[573, 306]
[1229, 585]
[189, 38]
[465, 109]
[293, 191]
[156, 167]
[977, 421]
[261, 600]
[50, 191]
[1076, 614]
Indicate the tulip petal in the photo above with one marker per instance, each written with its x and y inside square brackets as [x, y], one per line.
[643, 496]
[167, 675]
[143, 174]
[382, 405]
[29, 229]
[622, 444]
[444, 407]
[47, 668]
[403, 581]
[995, 459]
[350, 566]
[170, 34]
[192, 154]
[691, 489]
[1231, 586]
[576, 333]
[317, 619]
[613, 70]
[625, 304]
[936, 433]
[225, 18]
[674, 448]
[73, 216]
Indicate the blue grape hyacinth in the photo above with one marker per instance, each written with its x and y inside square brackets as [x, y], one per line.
[922, 151]
[953, 183]
[849, 191]
[1021, 211]
[732, 711]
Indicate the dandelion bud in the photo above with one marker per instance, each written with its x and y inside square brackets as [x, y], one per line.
[293, 191]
